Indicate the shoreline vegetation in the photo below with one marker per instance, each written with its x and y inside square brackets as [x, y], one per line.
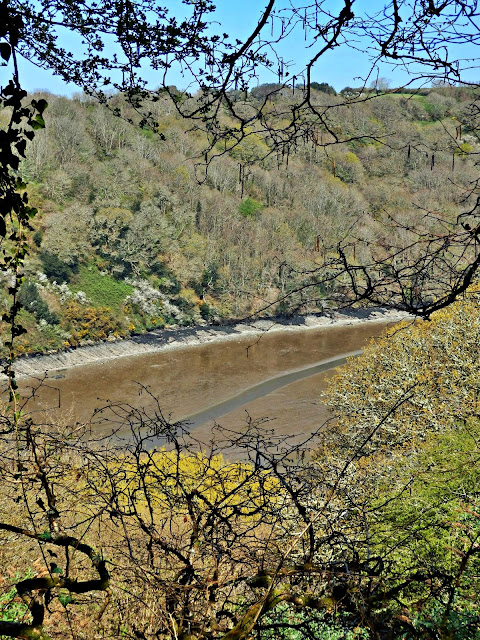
[186, 337]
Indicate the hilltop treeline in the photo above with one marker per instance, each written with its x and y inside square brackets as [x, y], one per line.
[132, 234]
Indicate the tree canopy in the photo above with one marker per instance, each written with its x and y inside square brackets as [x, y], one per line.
[109, 45]
[430, 370]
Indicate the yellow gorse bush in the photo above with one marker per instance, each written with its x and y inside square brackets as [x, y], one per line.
[164, 480]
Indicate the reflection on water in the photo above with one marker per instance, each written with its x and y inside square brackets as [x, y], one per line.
[192, 379]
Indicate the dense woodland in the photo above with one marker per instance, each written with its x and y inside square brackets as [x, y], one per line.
[132, 234]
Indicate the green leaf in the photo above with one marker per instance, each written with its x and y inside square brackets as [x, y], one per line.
[40, 105]
[65, 600]
[5, 50]
[57, 570]
[46, 535]
[38, 123]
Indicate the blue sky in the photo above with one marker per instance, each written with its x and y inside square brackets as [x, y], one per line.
[339, 68]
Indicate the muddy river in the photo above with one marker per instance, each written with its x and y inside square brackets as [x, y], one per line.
[280, 377]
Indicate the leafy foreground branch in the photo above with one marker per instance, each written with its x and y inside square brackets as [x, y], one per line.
[142, 535]
[33, 590]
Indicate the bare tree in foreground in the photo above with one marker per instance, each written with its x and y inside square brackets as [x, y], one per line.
[152, 534]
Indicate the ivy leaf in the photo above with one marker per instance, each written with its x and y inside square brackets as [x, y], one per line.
[46, 535]
[38, 123]
[65, 600]
[41, 105]
[14, 162]
[18, 330]
[5, 50]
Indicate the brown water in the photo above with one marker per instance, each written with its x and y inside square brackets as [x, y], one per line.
[190, 380]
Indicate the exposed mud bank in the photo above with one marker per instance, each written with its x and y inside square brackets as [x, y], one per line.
[186, 337]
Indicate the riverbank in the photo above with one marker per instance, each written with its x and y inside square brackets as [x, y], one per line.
[187, 337]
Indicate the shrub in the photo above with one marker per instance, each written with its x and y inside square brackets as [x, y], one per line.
[56, 269]
[184, 305]
[206, 311]
[37, 238]
[30, 300]
[428, 371]
[91, 323]
[463, 150]
[250, 208]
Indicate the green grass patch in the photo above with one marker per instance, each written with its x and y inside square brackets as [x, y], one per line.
[408, 95]
[101, 289]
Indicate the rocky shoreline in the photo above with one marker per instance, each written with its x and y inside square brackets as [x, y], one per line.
[186, 337]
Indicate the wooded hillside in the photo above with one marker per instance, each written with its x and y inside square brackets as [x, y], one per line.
[132, 235]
